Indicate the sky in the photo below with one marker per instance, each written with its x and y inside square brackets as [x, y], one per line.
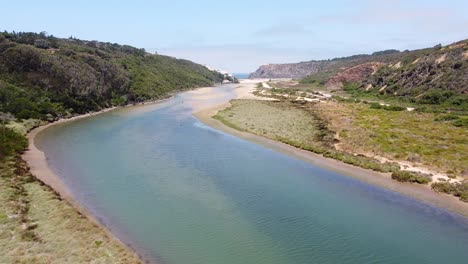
[238, 36]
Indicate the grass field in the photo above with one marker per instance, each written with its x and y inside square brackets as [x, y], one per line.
[432, 139]
[36, 226]
[262, 118]
[400, 135]
[294, 124]
[358, 134]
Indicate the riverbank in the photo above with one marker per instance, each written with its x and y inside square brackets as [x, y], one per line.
[103, 238]
[422, 193]
[65, 229]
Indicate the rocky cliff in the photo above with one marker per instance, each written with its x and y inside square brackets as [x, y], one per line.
[331, 67]
[290, 70]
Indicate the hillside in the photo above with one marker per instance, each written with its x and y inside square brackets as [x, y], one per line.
[436, 76]
[42, 79]
[326, 68]
[432, 76]
[45, 77]
[399, 112]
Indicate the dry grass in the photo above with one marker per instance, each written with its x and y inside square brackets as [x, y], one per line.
[297, 86]
[36, 226]
[399, 135]
[362, 134]
[263, 118]
[294, 124]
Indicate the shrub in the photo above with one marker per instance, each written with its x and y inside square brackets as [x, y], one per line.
[456, 189]
[11, 142]
[447, 117]
[435, 97]
[394, 108]
[41, 43]
[385, 107]
[375, 106]
[407, 176]
[462, 122]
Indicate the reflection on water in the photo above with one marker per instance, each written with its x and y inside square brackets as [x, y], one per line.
[181, 192]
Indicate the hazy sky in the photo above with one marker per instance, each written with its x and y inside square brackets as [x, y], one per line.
[238, 36]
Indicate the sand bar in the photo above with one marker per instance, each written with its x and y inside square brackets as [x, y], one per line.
[420, 192]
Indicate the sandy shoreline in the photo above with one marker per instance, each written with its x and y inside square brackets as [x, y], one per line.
[422, 193]
[39, 168]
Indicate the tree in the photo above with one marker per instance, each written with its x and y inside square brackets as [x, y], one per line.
[41, 43]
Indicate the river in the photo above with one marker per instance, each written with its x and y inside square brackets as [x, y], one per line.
[180, 192]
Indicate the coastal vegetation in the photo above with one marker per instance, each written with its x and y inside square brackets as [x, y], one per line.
[298, 126]
[406, 176]
[400, 135]
[371, 130]
[409, 107]
[43, 79]
[457, 189]
[37, 226]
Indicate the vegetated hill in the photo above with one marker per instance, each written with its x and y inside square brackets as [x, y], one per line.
[433, 76]
[426, 75]
[46, 77]
[353, 74]
[323, 68]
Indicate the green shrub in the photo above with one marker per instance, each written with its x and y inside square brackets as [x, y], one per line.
[11, 142]
[375, 106]
[447, 117]
[457, 189]
[407, 176]
[385, 107]
[435, 97]
[462, 122]
[394, 108]
[351, 86]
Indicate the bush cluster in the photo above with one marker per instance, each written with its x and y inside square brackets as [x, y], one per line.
[387, 107]
[456, 189]
[407, 176]
[11, 142]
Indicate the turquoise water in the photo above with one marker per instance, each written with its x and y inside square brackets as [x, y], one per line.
[241, 75]
[180, 192]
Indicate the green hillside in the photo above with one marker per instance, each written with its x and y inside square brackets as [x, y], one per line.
[45, 77]
[432, 77]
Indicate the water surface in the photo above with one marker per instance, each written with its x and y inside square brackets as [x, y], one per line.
[180, 192]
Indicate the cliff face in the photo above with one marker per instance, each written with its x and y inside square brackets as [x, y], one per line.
[290, 70]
